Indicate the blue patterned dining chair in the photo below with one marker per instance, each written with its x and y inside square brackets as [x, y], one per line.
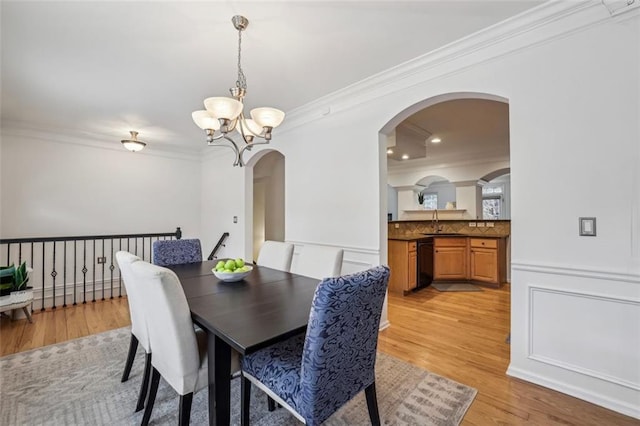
[139, 332]
[313, 375]
[175, 252]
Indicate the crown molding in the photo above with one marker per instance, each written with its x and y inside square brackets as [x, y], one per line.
[551, 20]
[93, 140]
[421, 164]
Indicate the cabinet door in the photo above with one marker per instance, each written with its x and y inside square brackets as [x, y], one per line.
[484, 264]
[413, 270]
[450, 263]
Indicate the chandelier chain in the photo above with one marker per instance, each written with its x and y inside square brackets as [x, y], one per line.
[242, 81]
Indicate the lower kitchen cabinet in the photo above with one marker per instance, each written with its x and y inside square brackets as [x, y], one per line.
[450, 259]
[403, 263]
[487, 260]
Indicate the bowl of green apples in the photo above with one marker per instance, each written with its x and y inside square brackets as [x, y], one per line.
[232, 270]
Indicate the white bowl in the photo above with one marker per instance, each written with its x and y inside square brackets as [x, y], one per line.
[231, 277]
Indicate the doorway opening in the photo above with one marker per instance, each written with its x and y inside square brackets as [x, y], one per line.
[268, 199]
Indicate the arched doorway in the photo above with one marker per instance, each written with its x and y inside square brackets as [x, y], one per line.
[268, 198]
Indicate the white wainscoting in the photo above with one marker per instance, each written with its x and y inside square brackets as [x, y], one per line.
[578, 331]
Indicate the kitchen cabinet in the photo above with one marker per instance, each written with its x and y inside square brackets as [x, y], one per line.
[403, 258]
[450, 258]
[487, 260]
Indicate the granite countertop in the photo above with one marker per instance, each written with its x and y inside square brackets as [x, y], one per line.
[417, 237]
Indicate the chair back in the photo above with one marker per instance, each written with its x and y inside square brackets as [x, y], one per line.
[135, 298]
[171, 333]
[340, 345]
[276, 255]
[174, 252]
[318, 262]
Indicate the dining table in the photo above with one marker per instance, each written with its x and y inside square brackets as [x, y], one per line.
[265, 307]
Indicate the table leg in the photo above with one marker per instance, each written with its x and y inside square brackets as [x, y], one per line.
[219, 364]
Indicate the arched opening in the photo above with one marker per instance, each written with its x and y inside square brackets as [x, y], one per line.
[461, 175]
[267, 208]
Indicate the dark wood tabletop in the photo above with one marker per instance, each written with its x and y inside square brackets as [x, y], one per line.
[264, 308]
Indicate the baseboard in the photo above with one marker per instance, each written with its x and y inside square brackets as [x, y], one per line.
[581, 393]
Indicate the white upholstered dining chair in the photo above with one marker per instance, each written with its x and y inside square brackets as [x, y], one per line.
[318, 262]
[276, 255]
[179, 351]
[139, 333]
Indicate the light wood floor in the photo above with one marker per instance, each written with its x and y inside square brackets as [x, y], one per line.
[457, 335]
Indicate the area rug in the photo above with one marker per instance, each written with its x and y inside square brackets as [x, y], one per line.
[78, 383]
[456, 287]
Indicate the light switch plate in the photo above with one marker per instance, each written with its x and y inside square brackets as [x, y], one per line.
[490, 224]
[472, 224]
[480, 224]
[587, 226]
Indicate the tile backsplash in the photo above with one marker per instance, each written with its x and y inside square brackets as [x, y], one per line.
[419, 227]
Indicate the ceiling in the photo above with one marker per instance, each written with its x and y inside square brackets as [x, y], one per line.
[467, 129]
[101, 69]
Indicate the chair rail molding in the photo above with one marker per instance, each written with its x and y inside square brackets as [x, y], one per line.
[598, 274]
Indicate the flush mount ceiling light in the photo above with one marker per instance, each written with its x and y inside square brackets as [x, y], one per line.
[436, 140]
[389, 151]
[133, 144]
[405, 156]
[224, 115]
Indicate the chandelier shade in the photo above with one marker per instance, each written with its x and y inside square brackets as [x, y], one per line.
[267, 117]
[223, 108]
[204, 120]
[223, 115]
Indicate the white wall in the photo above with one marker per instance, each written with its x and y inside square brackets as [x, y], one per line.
[392, 202]
[70, 188]
[573, 103]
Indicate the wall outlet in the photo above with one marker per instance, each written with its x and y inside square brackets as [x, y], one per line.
[235, 219]
[102, 260]
[396, 225]
[480, 224]
[490, 224]
[472, 224]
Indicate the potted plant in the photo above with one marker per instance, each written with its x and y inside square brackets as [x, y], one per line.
[13, 284]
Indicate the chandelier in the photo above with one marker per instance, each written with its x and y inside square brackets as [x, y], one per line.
[223, 115]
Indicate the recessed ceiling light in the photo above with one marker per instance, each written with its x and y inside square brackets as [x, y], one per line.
[405, 157]
[436, 140]
[389, 151]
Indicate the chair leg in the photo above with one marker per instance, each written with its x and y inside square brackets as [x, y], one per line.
[151, 398]
[133, 346]
[245, 398]
[372, 404]
[271, 404]
[145, 383]
[185, 409]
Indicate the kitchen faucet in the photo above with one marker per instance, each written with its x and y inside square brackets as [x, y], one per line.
[434, 221]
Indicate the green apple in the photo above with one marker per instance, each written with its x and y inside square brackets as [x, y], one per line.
[220, 264]
[230, 264]
[228, 271]
[239, 262]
